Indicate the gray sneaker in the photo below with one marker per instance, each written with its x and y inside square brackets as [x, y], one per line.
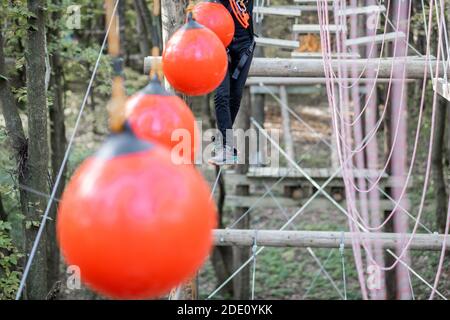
[225, 155]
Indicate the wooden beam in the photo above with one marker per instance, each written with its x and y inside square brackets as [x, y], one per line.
[392, 36]
[319, 55]
[324, 239]
[294, 81]
[282, 43]
[276, 67]
[279, 11]
[362, 10]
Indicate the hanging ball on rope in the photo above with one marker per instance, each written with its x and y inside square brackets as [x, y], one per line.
[158, 116]
[213, 15]
[133, 222]
[195, 61]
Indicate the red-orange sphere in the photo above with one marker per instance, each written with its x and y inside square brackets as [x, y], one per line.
[213, 15]
[158, 116]
[134, 223]
[195, 61]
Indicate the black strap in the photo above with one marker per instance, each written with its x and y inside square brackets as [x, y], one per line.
[244, 59]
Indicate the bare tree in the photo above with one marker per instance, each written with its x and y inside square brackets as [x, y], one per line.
[38, 151]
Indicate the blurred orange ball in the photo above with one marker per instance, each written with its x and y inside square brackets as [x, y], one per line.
[158, 116]
[134, 223]
[213, 15]
[195, 61]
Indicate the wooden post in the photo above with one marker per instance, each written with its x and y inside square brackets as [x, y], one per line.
[173, 17]
[372, 151]
[399, 125]
[258, 102]
[241, 282]
[286, 123]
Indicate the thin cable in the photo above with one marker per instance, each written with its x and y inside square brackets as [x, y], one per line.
[216, 182]
[374, 183]
[63, 164]
[316, 276]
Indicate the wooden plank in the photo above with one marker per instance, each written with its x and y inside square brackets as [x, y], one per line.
[312, 8]
[279, 11]
[375, 39]
[277, 67]
[362, 10]
[325, 239]
[319, 55]
[257, 89]
[320, 204]
[271, 42]
[316, 28]
[292, 81]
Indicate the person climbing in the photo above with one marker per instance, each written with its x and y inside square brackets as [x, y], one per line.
[228, 95]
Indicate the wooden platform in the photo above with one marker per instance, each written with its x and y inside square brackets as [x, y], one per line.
[294, 188]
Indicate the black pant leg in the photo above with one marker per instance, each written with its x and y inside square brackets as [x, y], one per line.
[237, 89]
[222, 106]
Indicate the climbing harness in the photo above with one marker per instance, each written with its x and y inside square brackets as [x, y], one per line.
[244, 59]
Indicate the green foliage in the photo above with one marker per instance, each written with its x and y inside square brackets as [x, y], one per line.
[9, 258]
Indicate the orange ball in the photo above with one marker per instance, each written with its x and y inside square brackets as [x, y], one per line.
[134, 223]
[195, 61]
[213, 15]
[155, 115]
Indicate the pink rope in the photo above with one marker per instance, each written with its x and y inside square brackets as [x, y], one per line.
[331, 95]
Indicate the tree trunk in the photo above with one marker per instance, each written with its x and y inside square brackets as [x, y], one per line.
[438, 165]
[15, 135]
[241, 281]
[38, 153]
[121, 10]
[58, 147]
[14, 127]
[3, 214]
[144, 43]
[147, 20]
[156, 21]
[173, 13]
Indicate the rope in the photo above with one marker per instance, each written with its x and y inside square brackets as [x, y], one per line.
[61, 170]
